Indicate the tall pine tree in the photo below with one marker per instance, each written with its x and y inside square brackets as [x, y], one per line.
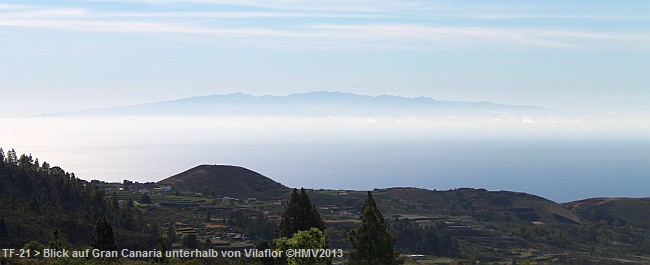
[299, 215]
[372, 243]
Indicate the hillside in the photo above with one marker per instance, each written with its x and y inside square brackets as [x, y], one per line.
[228, 181]
[471, 202]
[239, 182]
[47, 204]
[524, 206]
[634, 211]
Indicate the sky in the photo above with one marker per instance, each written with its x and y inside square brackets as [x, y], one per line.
[569, 55]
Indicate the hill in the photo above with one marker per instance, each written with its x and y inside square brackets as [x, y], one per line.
[633, 211]
[470, 202]
[525, 207]
[228, 181]
[239, 182]
[321, 103]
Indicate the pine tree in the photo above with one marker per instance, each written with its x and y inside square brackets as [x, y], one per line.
[103, 237]
[45, 168]
[371, 241]
[2, 160]
[12, 157]
[299, 215]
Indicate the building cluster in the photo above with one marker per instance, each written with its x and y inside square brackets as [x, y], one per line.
[131, 186]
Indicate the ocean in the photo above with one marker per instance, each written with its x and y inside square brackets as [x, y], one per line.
[562, 160]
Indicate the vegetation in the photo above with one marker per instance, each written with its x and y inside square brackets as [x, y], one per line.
[372, 243]
[103, 237]
[45, 207]
[299, 215]
[301, 227]
[313, 238]
[435, 239]
[39, 200]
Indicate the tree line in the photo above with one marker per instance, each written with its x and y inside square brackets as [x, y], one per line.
[44, 203]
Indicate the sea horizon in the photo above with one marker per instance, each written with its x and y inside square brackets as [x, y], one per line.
[563, 160]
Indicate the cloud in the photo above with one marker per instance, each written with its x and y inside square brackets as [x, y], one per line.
[10, 7]
[131, 26]
[303, 5]
[504, 16]
[455, 35]
[376, 33]
[494, 10]
[232, 14]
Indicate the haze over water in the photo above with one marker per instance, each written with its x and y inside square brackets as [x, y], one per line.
[560, 158]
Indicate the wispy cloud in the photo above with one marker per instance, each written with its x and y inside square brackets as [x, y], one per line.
[344, 34]
[10, 7]
[481, 10]
[455, 35]
[232, 14]
[44, 13]
[506, 16]
[131, 26]
[304, 5]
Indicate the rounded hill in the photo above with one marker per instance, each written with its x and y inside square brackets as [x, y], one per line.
[633, 211]
[228, 181]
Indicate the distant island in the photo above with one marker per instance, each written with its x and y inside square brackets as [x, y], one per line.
[321, 103]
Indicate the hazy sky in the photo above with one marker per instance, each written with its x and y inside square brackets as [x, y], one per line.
[582, 56]
[560, 54]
